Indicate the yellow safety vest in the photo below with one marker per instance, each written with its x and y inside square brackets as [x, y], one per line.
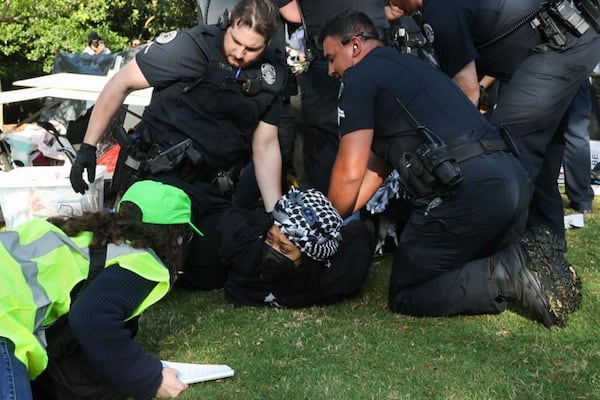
[40, 267]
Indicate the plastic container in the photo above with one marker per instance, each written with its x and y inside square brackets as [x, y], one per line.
[21, 147]
[39, 192]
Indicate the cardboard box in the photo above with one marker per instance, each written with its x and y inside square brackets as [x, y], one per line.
[39, 192]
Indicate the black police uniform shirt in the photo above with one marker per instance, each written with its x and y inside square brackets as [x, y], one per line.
[460, 27]
[197, 94]
[241, 240]
[373, 90]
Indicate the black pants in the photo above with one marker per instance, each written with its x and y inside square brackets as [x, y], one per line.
[440, 264]
[202, 267]
[533, 105]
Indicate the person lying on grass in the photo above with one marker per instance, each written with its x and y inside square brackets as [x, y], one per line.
[300, 256]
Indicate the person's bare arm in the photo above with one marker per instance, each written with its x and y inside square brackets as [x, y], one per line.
[467, 81]
[349, 170]
[291, 12]
[128, 79]
[267, 163]
[377, 171]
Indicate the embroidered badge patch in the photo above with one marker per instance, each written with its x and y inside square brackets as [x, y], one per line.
[166, 37]
[269, 74]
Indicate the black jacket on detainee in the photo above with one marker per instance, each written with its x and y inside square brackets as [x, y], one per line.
[241, 237]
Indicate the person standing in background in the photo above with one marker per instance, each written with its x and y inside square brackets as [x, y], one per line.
[576, 158]
[95, 45]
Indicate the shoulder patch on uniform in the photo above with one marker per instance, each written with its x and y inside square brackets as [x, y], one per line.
[166, 37]
[269, 74]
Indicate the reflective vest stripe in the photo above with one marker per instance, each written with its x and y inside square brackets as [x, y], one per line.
[24, 254]
[145, 263]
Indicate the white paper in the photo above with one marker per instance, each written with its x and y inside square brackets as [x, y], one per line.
[574, 221]
[192, 373]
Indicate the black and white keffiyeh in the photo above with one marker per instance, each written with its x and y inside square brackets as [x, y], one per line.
[309, 220]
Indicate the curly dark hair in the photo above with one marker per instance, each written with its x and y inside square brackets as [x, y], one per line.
[126, 226]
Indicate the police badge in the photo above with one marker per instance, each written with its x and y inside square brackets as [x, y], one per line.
[166, 37]
[269, 74]
[428, 32]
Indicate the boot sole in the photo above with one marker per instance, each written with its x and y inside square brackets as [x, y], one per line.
[560, 285]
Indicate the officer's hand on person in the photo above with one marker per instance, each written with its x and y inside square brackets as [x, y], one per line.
[85, 159]
[170, 386]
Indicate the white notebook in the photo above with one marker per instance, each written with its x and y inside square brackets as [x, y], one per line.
[192, 373]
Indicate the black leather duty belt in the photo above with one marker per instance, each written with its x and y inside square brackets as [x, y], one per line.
[483, 146]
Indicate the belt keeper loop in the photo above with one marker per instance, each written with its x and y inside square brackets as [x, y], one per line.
[486, 149]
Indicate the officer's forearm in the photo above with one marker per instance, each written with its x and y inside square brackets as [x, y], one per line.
[106, 106]
[128, 79]
[267, 163]
[269, 179]
[374, 177]
[104, 109]
[343, 195]
[467, 81]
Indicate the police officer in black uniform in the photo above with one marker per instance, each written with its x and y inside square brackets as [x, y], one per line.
[459, 252]
[217, 89]
[541, 52]
[318, 91]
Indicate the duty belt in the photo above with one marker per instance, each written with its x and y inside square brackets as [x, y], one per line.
[482, 146]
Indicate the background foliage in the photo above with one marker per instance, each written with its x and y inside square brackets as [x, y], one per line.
[32, 32]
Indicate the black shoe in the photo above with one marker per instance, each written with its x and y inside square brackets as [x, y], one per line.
[535, 273]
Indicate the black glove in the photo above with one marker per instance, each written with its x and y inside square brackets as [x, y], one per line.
[85, 159]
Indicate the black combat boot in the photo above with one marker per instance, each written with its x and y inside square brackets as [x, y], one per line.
[535, 273]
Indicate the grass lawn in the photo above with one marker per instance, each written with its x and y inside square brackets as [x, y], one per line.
[359, 350]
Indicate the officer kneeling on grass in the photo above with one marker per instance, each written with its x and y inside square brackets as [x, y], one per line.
[462, 250]
[299, 257]
[113, 266]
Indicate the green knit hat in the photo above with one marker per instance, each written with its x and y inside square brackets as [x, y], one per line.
[160, 203]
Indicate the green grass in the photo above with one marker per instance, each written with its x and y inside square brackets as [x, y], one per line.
[359, 350]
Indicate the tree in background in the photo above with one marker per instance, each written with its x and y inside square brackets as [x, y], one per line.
[33, 31]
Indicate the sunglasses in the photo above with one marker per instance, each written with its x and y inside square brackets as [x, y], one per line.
[364, 35]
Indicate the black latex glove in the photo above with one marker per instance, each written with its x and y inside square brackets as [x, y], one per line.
[85, 159]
